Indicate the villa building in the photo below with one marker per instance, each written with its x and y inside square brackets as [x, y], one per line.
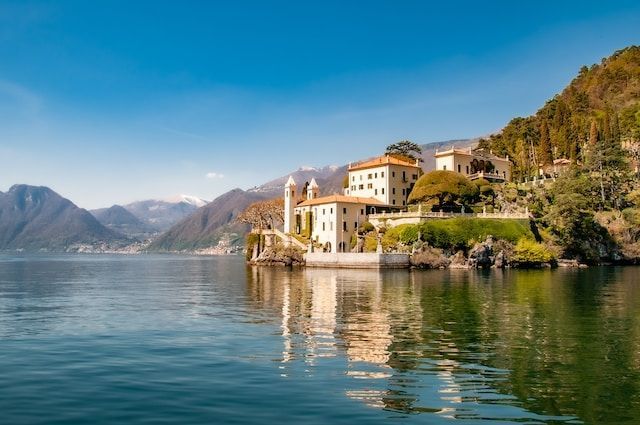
[475, 164]
[375, 186]
[379, 185]
[387, 178]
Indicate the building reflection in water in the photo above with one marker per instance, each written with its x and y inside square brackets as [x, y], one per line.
[371, 319]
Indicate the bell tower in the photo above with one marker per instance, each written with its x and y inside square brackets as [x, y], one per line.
[313, 189]
[290, 205]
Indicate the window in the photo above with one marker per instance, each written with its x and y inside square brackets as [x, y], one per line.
[370, 186]
[361, 187]
[361, 212]
[382, 174]
[375, 175]
[353, 187]
[414, 177]
[323, 226]
[403, 202]
[331, 225]
[393, 190]
[369, 176]
[375, 192]
[360, 177]
[393, 174]
[353, 178]
[393, 202]
[459, 168]
[355, 225]
[344, 211]
[382, 190]
[331, 210]
[404, 176]
[467, 169]
[324, 211]
[402, 192]
[344, 226]
[444, 167]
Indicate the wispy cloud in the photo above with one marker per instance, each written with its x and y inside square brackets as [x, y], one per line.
[21, 95]
[213, 175]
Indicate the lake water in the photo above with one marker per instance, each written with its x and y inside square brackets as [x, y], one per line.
[151, 339]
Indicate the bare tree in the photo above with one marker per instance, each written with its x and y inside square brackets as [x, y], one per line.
[263, 214]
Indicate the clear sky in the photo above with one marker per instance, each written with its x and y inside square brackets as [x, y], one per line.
[110, 102]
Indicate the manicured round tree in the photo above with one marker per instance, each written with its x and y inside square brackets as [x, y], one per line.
[444, 189]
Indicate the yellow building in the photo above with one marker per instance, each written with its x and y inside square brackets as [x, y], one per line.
[475, 164]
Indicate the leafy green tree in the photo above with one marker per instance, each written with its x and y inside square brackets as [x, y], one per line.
[405, 149]
[446, 189]
[570, 216]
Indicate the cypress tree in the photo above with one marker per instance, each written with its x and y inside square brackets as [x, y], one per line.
[545, 149]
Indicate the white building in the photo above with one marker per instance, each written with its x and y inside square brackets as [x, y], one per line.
[475, 164]
[377, 185]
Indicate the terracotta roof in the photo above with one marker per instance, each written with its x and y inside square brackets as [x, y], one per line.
[340, 198]
[382, 160]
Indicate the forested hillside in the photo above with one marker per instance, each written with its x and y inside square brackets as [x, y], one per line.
[599, 108]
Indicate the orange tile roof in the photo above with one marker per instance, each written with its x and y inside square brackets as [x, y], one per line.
[342, 199]
[382, 160]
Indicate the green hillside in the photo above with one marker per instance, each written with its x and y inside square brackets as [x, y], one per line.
[600, 105]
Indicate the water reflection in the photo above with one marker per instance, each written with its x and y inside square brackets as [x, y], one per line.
[538, 346]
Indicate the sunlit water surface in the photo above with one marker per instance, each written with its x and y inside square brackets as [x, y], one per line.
[149, 339]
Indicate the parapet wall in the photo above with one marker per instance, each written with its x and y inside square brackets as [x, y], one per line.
[366, 260]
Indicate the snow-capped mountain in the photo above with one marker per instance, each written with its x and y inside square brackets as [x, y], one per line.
[193, 200]
[164, 213]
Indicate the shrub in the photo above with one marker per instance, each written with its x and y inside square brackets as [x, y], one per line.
[531, 253]
[366, 227]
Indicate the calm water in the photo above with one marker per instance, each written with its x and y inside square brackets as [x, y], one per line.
[148, 339]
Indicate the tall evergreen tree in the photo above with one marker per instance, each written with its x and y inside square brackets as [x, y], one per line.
[545, 148]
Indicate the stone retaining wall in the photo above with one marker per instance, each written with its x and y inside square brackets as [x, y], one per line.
[367, 260]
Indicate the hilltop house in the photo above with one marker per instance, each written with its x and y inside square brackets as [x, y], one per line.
[378, 185]
[475, 164]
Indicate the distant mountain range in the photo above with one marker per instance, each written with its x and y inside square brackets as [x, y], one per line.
[156, 215]
[37, 218]
[119, 219]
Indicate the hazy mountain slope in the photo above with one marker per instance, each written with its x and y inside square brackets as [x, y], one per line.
[162, 214]
[117, 218]
[206, 226]
[36, 218]
[301, 175]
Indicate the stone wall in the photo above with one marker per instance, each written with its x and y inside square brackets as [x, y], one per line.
[367, 260]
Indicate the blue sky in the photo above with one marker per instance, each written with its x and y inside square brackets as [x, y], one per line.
[110, 102]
